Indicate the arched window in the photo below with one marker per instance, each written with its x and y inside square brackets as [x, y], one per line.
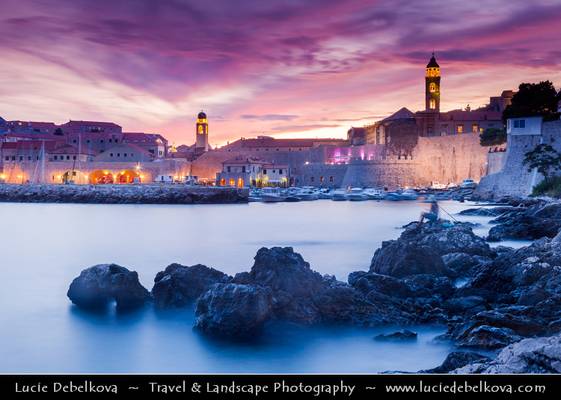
[432, 87]
[432, 104]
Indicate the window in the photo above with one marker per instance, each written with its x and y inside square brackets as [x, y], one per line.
[56, 158]
[228, 169]
[432, 87]
[460, 129]
[73, 157]
[280, 171]
[432, 104]
[7, 158]
[330, 179]
[520, 123]
[474, 128]
[264, 172]
[243, 169]
[321, 179]
[110, 154]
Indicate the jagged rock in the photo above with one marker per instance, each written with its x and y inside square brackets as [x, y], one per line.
[487, 337]
[536, 355]
[366, 282]
[457, 359]
[534, 222]
[487, 211]
[463, 264]
[98, 286]
[179, 285]
[420, 248]
[402, 335]
[233, 310]
[462, 305]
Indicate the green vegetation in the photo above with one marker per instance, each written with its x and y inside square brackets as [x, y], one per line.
[545, 159]
[548, 187]
[534, 99]
[492, 137]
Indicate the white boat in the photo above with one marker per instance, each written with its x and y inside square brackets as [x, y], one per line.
[339, 195]
[325, 194]
[374, 194]
[357, 194]
[408, 194]
[271, 195]
[306, 194]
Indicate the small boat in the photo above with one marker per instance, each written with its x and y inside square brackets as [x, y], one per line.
[339, 195]
[271, 195]
[357, 194]
[408, 194]
[374, 194]
[307, 194]
[325, 194]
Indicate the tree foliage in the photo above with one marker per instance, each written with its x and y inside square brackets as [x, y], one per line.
[545, 159]
[534, 99]
[492, 137]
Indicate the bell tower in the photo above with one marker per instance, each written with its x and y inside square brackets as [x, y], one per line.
[432, 86]
[201, 134]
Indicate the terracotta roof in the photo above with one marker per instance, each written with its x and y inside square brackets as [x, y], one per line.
[402, 113]
[69, 149]
[141, 137]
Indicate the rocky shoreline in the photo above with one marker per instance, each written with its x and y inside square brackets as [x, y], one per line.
[121, 194]
[493, 300]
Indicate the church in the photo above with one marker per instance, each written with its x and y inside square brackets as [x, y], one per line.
[401, 130]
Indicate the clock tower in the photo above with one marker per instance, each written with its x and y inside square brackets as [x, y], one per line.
[201, 134]
[432, 86]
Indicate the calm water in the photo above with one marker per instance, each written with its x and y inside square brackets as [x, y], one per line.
[46, 245]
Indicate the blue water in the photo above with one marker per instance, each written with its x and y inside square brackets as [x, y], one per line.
[44, 246]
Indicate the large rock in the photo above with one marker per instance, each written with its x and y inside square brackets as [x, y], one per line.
[420, 248]
[536, 355]
[487, 212]
[178, 285]
[404, 335]
[234, 311]
[98, 286]
[457, 359]
[534, 222]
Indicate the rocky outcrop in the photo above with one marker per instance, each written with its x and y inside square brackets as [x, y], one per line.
[179, 285]
[234, 311]
[398, 336]
[420, 248]
[98, 286]
[534, 222]
[457, 359]
[487, 212]
[537, 355]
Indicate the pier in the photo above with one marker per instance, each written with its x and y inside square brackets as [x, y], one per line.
[121, 194]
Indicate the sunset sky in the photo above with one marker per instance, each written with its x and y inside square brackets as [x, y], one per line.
[281, 68]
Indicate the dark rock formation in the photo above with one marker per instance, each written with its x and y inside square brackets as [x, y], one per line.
[402, 335]
[420, 248]
[98, 286]
[529, 223]
[234, 311]
[487, 212]
[457, 359]
[537, 355]
[179, 285]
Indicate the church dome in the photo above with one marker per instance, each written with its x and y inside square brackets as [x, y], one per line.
[201, 115]
[432, 62]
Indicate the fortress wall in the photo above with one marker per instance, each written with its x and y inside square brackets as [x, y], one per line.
[447, 159]
[495, 162]
[514, 179]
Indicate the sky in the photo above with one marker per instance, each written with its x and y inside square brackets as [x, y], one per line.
[283, 68]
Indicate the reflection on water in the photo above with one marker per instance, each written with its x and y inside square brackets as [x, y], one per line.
[46, 245]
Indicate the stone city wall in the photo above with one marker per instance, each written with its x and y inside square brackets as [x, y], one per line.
[514, 179]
